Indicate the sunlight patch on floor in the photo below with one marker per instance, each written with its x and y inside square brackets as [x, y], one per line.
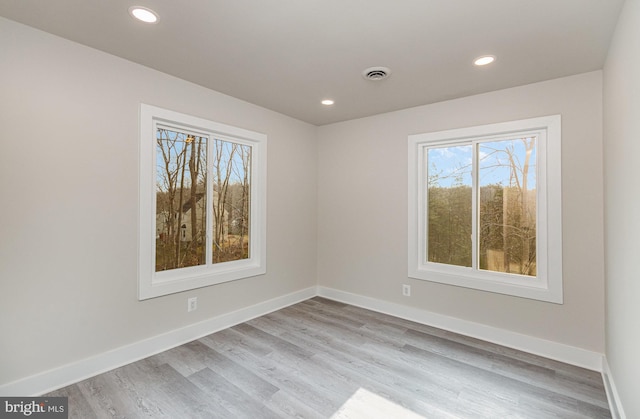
[365, 404]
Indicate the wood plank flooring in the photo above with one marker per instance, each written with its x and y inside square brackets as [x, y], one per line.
[324, 359]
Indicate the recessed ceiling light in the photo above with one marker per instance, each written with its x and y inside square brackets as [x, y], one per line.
[143, 14]
[484, 60]
[327, 102]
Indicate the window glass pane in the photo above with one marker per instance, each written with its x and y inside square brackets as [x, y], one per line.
[507, 202]
[181, 162]
[449, 200]
[231, 201]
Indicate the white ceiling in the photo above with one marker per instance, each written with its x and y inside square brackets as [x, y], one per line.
[288, 55]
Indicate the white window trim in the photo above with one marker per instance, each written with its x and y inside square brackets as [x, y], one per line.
[154, 284]
[547, 286]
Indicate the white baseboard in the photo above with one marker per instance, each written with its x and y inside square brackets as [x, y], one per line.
[548, 349]
[47, 381]
[72, 373]
[615, 406]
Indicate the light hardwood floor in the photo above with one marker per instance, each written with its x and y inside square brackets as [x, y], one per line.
[323, 359]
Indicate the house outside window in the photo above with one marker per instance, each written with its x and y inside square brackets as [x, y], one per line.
[202, 202]
[485, 208]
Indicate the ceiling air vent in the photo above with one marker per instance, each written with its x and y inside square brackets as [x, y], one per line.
[376, 73]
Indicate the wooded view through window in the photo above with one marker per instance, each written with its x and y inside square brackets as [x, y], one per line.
[197, 223]
[485, 207]
[504, 211]
[202, 207]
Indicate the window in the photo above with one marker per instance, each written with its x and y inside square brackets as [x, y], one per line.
[485, 208]
[202, 203]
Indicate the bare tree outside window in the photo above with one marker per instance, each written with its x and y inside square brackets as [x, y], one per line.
[485, 207]
[180, 199]
[231, 185]
[508, 206]
[202, 202]
[506, 219]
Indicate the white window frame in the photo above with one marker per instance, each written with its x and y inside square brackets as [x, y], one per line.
[154, 284]
[547, 285]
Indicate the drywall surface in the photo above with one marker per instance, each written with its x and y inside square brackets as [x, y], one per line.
[362, 213]
[69, 224]
[622, 206]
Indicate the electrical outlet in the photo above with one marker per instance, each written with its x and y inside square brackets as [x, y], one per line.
[406, 290]
[192, 304]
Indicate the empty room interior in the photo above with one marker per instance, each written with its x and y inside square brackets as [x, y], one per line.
[321, 208]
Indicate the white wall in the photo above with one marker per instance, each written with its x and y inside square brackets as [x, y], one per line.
[622, 206]
[69, 202]
[362, 213]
